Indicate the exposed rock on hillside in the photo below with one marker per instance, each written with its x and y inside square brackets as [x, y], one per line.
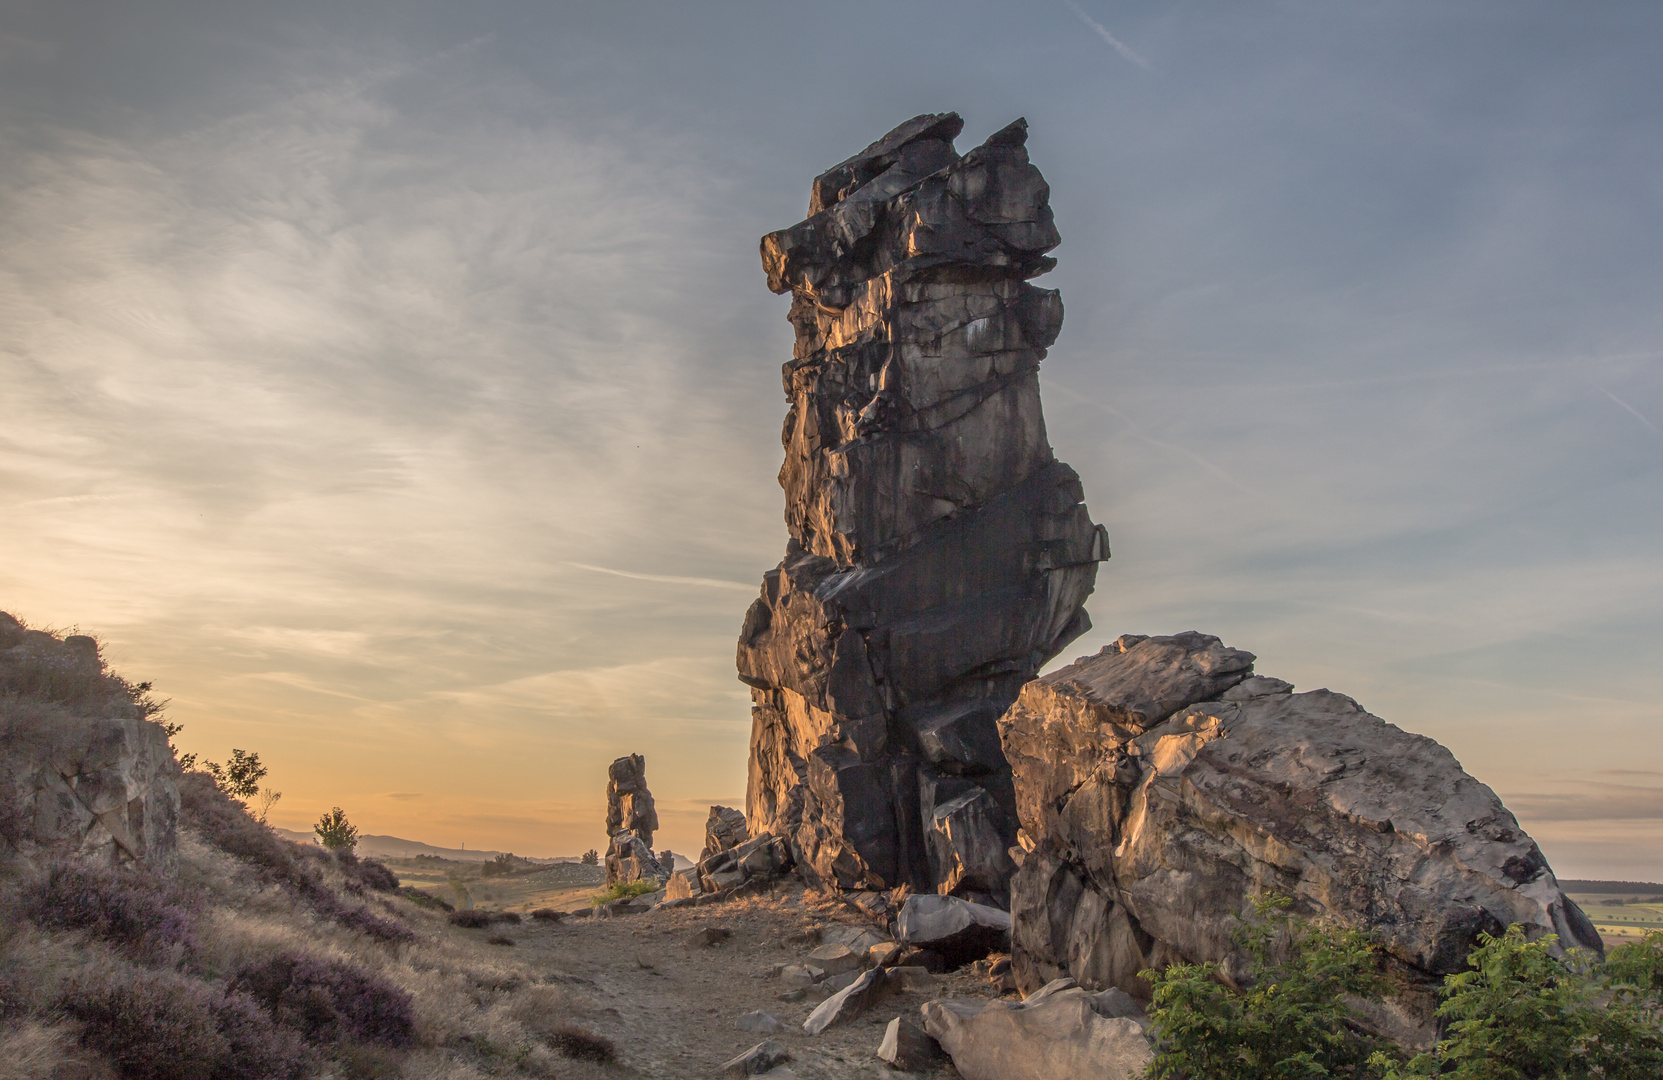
[1161, 785]
[82, 773]
[631, 820]
[939, 554]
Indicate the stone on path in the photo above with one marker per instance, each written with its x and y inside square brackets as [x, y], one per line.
[908, 1047]
[836, 959]
[758, 1060]
[1057, 1032]
[765, 1022]
[846, 1004]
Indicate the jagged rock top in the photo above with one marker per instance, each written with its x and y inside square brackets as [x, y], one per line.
[908, 205]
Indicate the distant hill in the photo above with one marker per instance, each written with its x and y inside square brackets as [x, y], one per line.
[1611, 886]
[396, 847]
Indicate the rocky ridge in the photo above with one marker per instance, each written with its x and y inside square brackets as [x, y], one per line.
[938, 553]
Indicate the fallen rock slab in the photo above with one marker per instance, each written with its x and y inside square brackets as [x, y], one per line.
[1057, 1032]
[956, 929]
[848, 1003]
[836, 959]
[760, 1059]
[908, 1047]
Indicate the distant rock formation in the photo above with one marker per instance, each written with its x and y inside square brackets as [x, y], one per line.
[939, 554]
[1161, 785]
[723, 831]
[83, 774]
[631, 820]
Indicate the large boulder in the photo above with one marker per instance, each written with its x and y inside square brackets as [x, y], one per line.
[1059, 1031]
[83, 773]
[939, 554]
[958, 930]
[1162, 786]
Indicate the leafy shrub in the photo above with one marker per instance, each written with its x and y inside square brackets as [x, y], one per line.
[131, 908]
[335, 831]
[328, 1000]
[507, 917]
[162, 1026]
[1291, 1020]
[471, 918]
[1523, 1011]
[623, 890]
[575, 1042]
[548, 915]
[499, 939]
[591, 858]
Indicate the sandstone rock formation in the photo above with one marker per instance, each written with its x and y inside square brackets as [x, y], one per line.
[83, 774]
[939, 553]
[723, 831]
[631, 820]
[1161, 785]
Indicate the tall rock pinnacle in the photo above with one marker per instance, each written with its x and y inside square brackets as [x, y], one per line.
[939, 553]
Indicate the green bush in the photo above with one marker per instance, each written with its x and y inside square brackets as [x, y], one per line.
[622, 890]
[1290, 1021]
[1524, 1013]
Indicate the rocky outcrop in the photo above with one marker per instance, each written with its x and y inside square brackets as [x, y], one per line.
[83, 774]
[938, 552]
[1162, 785]
[631, 820]
[723, 831]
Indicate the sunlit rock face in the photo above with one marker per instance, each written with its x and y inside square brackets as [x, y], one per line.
[1161, 786]
[631, 820]
[939, 553]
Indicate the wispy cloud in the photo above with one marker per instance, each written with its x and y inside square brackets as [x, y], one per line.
[1631, 410]
[1103, 32]
[668, 579]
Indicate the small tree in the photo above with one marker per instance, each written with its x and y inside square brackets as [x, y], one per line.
[591, 857]
[240, 777]
[268, 799]
[335, 832]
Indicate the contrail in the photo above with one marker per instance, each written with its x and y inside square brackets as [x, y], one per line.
[1637, 414]
[1103, 32]
[705, 582]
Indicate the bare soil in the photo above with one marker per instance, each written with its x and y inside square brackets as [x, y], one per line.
[670, 1004]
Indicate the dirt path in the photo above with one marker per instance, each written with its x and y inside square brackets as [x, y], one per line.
[670, 1004]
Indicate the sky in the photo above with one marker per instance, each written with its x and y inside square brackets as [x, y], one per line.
[395, 385]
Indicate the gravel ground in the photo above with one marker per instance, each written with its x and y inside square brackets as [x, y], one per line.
[670, 1004]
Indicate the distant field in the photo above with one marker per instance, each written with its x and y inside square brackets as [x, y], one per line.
[1621, 910]
[563, 886]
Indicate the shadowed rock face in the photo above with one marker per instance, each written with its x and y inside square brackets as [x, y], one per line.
[939, 554]
[82, 773]
[1161, 785]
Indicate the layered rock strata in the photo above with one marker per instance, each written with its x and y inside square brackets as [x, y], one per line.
[939, 554]
[83, 774]
[1162, 785]
[631, 820]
